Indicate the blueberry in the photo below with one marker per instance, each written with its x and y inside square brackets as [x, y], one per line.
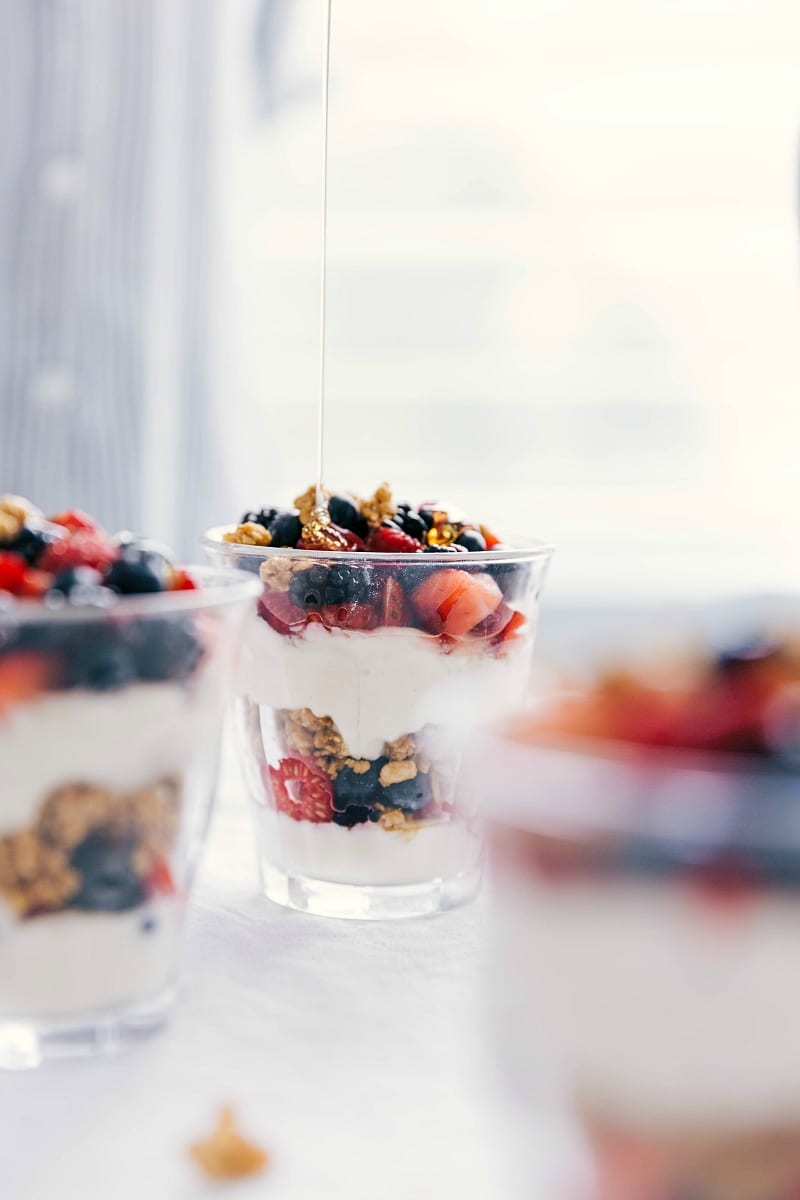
[452, 548]
[472, 539]
[132, 578]
[99, 658]
[264, 516]
[426, 516]
[29, 544]
[512, 578]
[304, 592]
[165, 648]
[411, 795]
[354, 791]
[739, 660]
[109, 883]
[345, 513]
[81, 584]
[412, 523]
[357, 814]
[285, 528]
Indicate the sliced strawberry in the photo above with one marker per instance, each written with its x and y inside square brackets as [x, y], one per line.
[12, 573]
[512, 629]
[395, 609]
[183, 582]
[76, 521]
[454, 602]
[491, 539]
[23, 675]
[80, 550]
[350, 616]
[300, 790]
[495, 623]
[160, 881]
[281, 613]
[386, 539]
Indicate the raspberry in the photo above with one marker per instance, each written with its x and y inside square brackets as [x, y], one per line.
[390, 539]
[80, 550]
[12, 573]
[182, 581]
[76, 521]
[301, 791]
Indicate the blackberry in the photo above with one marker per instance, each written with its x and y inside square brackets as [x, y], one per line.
[472, 540]
[165, 649]
[452, 548]
[411, 795]
[339, 584]
[99, 658]
[353, 582]
[264, 517]
[345, 513]
[285, 528]
[109, 883]
[355, 815]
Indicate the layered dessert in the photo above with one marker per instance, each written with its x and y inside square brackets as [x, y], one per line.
[647, 836]
[104, 732]
[384, 632]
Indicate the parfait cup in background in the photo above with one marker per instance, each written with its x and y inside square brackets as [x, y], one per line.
[362, 677]
[646, 982]
[110, 722]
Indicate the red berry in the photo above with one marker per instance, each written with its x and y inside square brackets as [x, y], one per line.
[76, 521]
[160, 881]
[300, 790]
[12, 573]
[80, 550]
[386, 539]
[36, 583]
[281, 613]
[183, 582]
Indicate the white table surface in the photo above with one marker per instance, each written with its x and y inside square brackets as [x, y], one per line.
[355, 1052]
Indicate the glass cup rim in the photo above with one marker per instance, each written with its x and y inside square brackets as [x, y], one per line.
[523, 550]
[217, 589]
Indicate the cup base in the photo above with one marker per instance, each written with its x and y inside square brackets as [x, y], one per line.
[368, 903]
[26, 1044]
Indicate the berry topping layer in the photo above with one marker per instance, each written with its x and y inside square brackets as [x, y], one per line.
[744, 701]
[70, 558]
[452, 596]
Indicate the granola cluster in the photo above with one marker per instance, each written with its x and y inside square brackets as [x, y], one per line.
[379, 507]
[249, 534]
[37, 872]
[277, 573]
[14, 512]
[412, 779]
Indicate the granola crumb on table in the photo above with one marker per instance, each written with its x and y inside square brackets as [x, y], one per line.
[226, 1154]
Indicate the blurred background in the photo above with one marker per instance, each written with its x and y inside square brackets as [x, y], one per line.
[563, 269]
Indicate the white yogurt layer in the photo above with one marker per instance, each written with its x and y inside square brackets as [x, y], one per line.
[120, 740]
[366, 854]
[74, 963]
[658, 1010]
[379, 685]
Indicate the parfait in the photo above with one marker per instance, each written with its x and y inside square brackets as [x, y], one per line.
[384, 634]
[113, 663]
[646, 836]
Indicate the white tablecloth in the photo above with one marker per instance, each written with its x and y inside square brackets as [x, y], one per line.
[354, 1051]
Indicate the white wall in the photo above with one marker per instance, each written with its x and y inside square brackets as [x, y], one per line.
[563, 271]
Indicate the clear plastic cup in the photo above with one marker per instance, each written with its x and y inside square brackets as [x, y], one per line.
[353, 716]
[646, 931]
[109, 738]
